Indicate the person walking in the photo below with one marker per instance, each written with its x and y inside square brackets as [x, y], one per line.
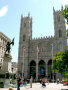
[31, 79]
[43, 82]
[58, 81]
[40, 80]
[48, 81]
[19, 82]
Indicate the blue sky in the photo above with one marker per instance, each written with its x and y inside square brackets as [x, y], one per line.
[40, 10]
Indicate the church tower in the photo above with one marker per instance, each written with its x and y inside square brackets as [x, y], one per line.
[59, 30]
[25, 37]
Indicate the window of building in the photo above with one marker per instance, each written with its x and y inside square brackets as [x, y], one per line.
[1, 56]
[1, 60]
[58, 18]
[60, 33]
[2, 48]
[24, 36]
[0, 67]
[2, 51]
[24, 24]
[1, 39]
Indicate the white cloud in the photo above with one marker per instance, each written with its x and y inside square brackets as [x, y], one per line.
[64, 2]
[3, 11]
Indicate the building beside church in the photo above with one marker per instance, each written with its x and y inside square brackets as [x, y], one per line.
[6, 66]
[3, 41]
[35, 55]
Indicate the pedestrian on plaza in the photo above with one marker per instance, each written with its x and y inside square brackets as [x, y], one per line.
[48, 81]
[43, 82]
[40, 80]
[24, 82]
[19, 82]
[58, 81]
[31, 79]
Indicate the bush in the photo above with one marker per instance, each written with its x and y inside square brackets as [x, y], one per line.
[66, 80]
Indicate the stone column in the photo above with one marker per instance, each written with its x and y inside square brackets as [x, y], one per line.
[46, 69]
[37, 64]
[36, 71]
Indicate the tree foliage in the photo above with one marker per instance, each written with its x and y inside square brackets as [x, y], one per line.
[60, 63]
[65, 13]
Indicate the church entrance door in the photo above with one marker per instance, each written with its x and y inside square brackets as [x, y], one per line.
[50, 69]
[42, 69]
[33, 69]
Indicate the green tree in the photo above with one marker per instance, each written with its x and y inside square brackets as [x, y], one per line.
[61, 62]
[65, 13]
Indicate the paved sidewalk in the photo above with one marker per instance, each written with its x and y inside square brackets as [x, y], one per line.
[38, 86]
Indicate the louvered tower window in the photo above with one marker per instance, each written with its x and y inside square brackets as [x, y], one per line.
[60, 33]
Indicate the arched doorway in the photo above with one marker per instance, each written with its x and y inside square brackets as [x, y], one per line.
[50, 69]
[42, 69]
[33, 69]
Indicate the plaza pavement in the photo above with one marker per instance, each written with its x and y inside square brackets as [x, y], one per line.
[38, 86]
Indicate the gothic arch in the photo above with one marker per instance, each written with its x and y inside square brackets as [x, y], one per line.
[42, 68]
[33, 68]
[50, 68]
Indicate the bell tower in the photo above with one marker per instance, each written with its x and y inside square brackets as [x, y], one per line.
[59, 30]
[25, 37]
[26, 27]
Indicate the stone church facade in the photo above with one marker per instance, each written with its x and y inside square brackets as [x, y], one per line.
[35, 56]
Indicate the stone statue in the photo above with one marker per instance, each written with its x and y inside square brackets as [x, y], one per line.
[8, 46]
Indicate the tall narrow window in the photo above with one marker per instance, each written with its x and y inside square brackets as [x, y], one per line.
[24, 36]
[60, 33]
[24, 25]
[0, 67]
[58, 18]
